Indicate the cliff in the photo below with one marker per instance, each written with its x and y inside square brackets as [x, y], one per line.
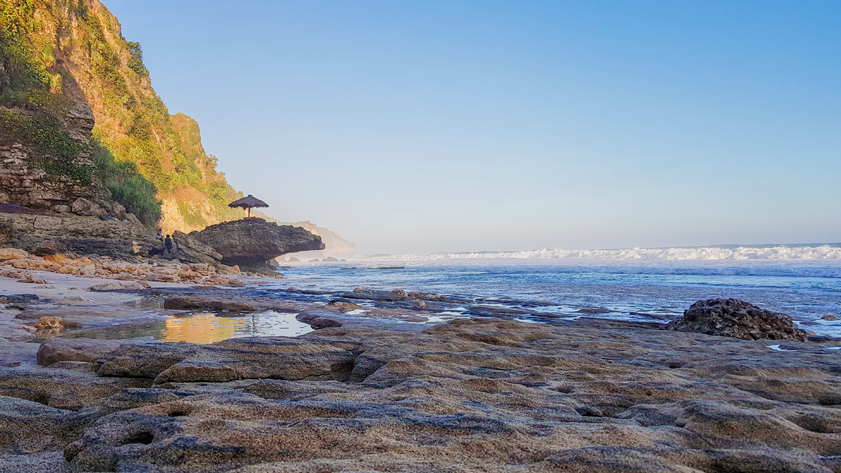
[80, 118]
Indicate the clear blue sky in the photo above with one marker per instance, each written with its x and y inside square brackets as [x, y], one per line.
[482, 125]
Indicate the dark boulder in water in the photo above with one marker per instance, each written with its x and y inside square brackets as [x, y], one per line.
[738, 319]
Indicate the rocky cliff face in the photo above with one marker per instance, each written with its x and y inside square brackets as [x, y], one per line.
[70, 87]
[54, 233]
[80, 119]
[25, 177]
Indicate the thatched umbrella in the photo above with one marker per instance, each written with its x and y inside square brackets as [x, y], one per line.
[248, 203]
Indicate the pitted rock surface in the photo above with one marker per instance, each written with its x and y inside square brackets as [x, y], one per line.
[469, 395]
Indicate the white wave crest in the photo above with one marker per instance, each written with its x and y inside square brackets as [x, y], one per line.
[771, 253]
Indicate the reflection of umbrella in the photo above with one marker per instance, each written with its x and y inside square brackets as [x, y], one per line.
[248, 203]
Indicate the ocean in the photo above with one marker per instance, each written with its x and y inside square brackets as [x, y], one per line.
[647, 285]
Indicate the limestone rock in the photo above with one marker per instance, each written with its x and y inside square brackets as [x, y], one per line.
[81, 235]
[23, 181]
[12, 253]
[49, 247]
[470, 395]
[190, 250]
[738, 319]
[317, 321]
[344, 306]
[63, 389]
[253, 241]
[57, 350]
[28, 426]
[85, 207]
[113, 286]
[131, 218]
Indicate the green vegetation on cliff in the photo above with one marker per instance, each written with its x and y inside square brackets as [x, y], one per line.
[33, 103]
[57, 51]
[127, 186]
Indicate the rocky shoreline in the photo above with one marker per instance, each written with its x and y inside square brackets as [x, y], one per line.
[375, 393]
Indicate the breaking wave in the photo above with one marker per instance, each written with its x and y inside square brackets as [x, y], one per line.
[742, 253]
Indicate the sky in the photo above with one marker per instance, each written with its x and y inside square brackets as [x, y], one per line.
[433, 126]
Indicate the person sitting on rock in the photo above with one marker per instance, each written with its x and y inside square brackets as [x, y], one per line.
[168, 243]
[160, 235]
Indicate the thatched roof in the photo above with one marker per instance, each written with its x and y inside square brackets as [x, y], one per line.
[248, 202]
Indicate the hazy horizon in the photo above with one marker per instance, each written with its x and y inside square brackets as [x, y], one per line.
[482, 126]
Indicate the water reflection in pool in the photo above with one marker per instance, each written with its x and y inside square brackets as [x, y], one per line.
[204, 328]
[210, 328]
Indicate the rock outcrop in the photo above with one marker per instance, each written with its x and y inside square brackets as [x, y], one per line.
[190, 250]
[33, 177]
[738, 319]
[252, 242]
[82, 235]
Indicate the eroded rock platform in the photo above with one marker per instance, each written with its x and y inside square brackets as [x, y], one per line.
[470, 395]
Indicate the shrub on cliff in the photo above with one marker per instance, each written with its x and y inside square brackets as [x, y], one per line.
[127, 185]
[31, 99]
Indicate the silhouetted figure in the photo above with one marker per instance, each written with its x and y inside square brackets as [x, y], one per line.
[168, 243]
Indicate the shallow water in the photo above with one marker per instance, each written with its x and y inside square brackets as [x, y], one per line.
[204, 328]
[650, 291]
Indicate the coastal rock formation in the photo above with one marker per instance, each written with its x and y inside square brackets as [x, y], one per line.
[738, 319]
[17, 264]
[82, 131]
[82, 235]
[191, 250]
[252, 242]
[470, 395]
[33, 176]
[73, 69]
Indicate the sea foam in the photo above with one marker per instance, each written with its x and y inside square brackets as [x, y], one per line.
[742, 253]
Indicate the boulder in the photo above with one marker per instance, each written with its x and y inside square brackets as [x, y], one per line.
[117, 210]
[738, 319]
[344, 306]
[317, 321]
[252, 242]
[12, 253]
[191, 250]
[49, 247]
[85, 207]
[131, 218]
